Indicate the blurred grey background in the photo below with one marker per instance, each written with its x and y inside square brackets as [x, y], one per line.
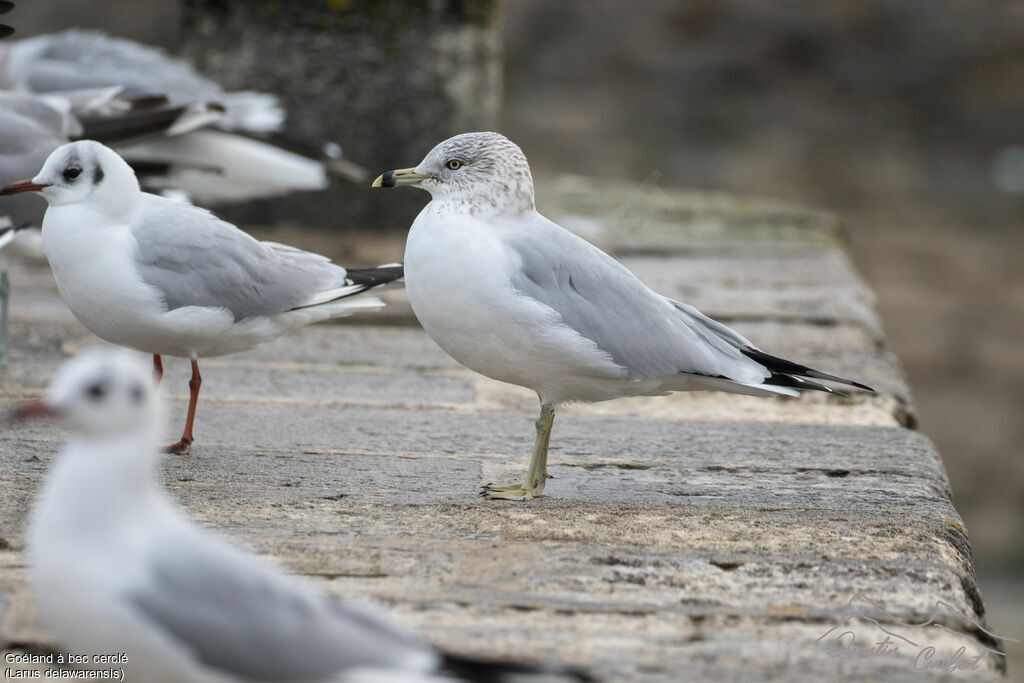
[904, 116]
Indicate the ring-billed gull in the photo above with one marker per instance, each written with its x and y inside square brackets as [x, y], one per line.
[168, 278]
[516, 297]
[116, 568]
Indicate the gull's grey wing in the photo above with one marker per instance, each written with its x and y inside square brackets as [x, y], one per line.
[238, 616]
[196, 259]
[648, 334]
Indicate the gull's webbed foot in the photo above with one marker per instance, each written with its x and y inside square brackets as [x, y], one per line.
[537, 476]
[182, 447]
[513, 491]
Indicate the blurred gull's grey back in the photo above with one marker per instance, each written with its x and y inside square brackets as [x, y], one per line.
[29, 131]
[76, 59]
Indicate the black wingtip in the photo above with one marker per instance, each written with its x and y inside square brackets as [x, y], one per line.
[5, 30]
[782, 380]
[784, 367]
[865, 387]
[490, 671]
[375, 277]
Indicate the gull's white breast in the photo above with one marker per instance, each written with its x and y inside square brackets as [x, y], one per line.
[93, 262]
[87, 552]
[458, 278]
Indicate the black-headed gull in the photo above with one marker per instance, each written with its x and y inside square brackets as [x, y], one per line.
[168, 278]
[115, 567]
[516, 297]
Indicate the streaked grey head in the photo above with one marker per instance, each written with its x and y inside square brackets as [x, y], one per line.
[484, 172]
[86, 171]
[105, 392]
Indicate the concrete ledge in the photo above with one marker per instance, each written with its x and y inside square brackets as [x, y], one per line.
[695, 536]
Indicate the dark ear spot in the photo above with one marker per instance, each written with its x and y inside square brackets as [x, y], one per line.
[97, 176]
[96, 391]
[137, 393]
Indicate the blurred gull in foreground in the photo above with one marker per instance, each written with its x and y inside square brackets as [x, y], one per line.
[115, 566]
[510, 294]
[166, 277]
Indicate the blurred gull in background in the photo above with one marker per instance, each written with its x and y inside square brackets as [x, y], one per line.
[165, 277]
[135, 98]
[116, 567]
[510, 294]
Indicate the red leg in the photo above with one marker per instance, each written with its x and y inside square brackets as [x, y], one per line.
[182, 447]
[158, 367]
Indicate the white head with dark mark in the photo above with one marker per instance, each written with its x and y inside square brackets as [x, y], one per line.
[83, 171]
[103, 393]
[484, 172]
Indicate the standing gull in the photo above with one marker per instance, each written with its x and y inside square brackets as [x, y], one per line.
[168, 278]
[116, 568]
[513, 296]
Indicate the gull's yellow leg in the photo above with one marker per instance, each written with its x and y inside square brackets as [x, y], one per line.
[537, 476]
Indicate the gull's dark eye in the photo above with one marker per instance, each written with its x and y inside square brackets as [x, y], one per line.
[72, 172]
[137, 393]
[454, 164]
[96, 391]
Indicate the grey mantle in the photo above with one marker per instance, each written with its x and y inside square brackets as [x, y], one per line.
[697, 536]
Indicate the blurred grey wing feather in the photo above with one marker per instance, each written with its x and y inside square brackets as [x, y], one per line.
[644, 332]
[195, 259]
[49, 122]
[29, 131]
[241, 617]
[75, 59]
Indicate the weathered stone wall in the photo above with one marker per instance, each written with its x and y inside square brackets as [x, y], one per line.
[386, 79]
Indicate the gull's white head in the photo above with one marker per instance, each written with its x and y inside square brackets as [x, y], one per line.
[486, 172]
[82, 171]
[103, 392]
